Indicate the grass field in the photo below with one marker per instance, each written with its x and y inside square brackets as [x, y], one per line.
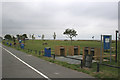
[105, 72]
[38, 44]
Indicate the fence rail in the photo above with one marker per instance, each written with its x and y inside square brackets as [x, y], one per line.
[98, 66]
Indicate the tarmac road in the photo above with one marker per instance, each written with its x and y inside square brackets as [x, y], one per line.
[16, 64]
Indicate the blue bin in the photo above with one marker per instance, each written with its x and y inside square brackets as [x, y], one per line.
[7, 43]
[22, 46]
[20, 41]
[10, 44]
[47, 52]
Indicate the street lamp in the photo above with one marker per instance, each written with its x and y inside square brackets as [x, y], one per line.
[116, 46]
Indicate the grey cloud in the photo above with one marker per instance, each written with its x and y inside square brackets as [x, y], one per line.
[106, 10]
[46, 18]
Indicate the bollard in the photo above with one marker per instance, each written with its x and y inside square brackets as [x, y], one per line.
[35, 51]
[28, 50]
[42, 51]
[31, 50]
[53, 56]
[81, 63]
[97, 67]
[10, 44]
[39, 52]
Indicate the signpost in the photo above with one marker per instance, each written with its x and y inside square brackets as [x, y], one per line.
[107, 40]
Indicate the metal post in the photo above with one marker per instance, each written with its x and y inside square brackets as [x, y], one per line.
[81, 63]
[39, 52]
[53, 56]
[97, 67]
[35, 51]
[116, 47]
[101, 51]
[110, 47]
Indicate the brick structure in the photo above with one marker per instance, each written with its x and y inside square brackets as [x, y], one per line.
[74, 50]
[95, 52]
[61, 50]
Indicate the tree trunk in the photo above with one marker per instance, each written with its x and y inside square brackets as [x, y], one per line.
[71, 41]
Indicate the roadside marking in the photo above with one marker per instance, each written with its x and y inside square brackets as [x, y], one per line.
[27, 64]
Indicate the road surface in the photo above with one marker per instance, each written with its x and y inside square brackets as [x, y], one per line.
[16, 64]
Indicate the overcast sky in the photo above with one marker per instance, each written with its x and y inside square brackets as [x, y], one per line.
[46, 17]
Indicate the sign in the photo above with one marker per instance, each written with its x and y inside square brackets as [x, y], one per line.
[107, 41]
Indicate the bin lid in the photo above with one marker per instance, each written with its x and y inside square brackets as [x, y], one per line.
[75, 47]
[92, 49]
[47, 47]
[61, 47]
[86, 48]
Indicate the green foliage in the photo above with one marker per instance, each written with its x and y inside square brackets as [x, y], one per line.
[54, 36]
[18, 37]
[33, 38]
[8, 36]
[43, 36]
[70, 33]
[25, 35]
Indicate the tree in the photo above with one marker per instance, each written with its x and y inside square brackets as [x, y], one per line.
[54, 36]
[8, 36]
[25, 35]
[30, 36]
[70, 33]
[33, 38]
[93, 37]
[43, 36]
[13, 38]
[1, 39]
[18, 37]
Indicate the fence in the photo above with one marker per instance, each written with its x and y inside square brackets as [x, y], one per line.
[98, 66]
[17, 46]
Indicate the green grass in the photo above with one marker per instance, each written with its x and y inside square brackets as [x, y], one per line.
[105, 72]
[37, 44]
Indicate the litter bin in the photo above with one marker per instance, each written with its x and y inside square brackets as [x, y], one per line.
[47, 52]
[10, 44]
[75, 50]
[20, 41]
[7, 43]
[22, 46]
[88, 61]
[62, 51]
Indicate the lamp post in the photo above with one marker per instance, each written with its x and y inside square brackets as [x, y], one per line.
[116, 46]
